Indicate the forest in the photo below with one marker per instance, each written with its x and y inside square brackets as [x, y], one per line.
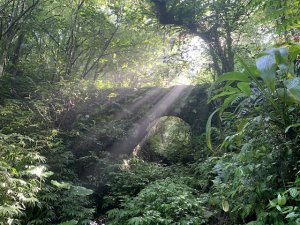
[149, 112]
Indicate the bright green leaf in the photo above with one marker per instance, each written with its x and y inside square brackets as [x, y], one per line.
[208, 129]
[233, 76]
[281, 199]
[245, 88]
[63, 185]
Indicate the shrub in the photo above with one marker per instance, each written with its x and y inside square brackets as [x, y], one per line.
[164, 202]
[22, 174]
[130, 178]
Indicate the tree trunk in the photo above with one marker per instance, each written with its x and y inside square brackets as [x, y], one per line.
[3, 56]
[222, 55]
[16, 55]
[215, 30]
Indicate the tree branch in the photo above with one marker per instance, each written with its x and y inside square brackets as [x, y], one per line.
[29, 9]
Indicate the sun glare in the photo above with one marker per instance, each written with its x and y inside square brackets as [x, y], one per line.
[181, 80]
[195, 56]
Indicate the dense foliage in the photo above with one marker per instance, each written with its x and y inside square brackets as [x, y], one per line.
[76, 78]
[260, 110]
[163, 202]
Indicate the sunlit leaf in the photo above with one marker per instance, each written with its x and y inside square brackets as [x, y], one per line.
[233, 76]
[38, 171]
[272, 204]
[293, 192]
[225, 205]
[8, 210]
[63, 185]
[267, 67]
[278, 208]
[78, 190]
[47, 174]
[293, 86]
[291, 126]
[292, 215]
[294, 51]
[281, 199]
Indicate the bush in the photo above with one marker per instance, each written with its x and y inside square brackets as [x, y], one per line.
[130, 178]
[260, 112]
[164, 202]
[22, 175]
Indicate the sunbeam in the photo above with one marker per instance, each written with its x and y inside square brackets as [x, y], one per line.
[140, 129]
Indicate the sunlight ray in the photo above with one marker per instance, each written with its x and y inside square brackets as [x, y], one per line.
[141, 128]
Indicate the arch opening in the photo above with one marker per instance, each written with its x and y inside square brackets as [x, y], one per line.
[168, 141]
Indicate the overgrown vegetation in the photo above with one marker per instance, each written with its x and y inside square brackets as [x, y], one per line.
[81, 80]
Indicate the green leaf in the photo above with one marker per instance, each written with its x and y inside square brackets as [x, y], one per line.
[292, 215]
[136, 221]
[272, 204]
[255, 223]
[294, 51]
[82, 191]
[228, 101]
[225, 205]
[225, 93]
[285, 96]
[267, 67]
[293, 86]
[281, 199]
[233, 76]
[290, 126]
[278, 208]
[252, 70]
[8, 210]
[293, 192]
[208, 129]
[281, 55]
[63, 185]
[287, 209]
[245, 88]
[70, 222]
[47, 174]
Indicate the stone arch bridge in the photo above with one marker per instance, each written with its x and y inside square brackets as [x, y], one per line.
[137, 109]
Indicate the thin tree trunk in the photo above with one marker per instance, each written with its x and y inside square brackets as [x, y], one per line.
[229, 51]
[108, 42]
[3, 56]
[16, 54]
[215, 63]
